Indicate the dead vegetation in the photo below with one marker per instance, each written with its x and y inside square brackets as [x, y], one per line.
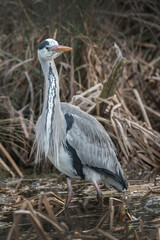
[131, 115]
[128, 109]
[42, 215]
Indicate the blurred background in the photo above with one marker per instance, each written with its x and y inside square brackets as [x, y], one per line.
[132, 115]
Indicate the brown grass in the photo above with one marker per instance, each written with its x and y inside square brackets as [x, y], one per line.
[33, 214]
[131, 116]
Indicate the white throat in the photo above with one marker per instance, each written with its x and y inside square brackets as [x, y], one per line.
[52, 121]
[50, 102]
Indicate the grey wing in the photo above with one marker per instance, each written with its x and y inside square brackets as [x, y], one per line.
[90, 140]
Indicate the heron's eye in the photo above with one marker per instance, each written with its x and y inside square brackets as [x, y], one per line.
[47, 48]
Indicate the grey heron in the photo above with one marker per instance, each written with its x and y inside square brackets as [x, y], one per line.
[74, 141]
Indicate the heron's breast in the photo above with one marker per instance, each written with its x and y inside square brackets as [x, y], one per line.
[65, 164]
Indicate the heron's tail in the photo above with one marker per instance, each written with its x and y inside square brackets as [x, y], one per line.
[115, 184]
[116, 180]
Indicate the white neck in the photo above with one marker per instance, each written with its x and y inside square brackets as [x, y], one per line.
[51, 98]
[52, 117]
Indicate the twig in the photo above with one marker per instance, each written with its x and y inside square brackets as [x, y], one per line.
[45, 201]
[142, 227]
[142, 108]
[38, 227]
[23, 124]
[26, 237]
[158, 233]
[6, 167]
[100, 223]
[106, 234]
[31, 124]
[136, 235]
[154, 113]
[16, 66]
[50, 221]
[19, 156]
[11, 160]
[9, 237]
[111, 213]
[83, 236]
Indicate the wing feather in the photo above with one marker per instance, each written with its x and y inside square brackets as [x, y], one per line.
[90, 140]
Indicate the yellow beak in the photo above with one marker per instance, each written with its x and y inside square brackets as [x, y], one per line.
[60, 48]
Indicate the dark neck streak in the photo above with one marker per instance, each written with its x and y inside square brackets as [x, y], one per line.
[52, 122]
[50, 104]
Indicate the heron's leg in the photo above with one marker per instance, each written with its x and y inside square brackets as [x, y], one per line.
[70, 192]
[99, 194]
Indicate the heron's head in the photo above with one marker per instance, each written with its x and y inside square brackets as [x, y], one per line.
[49, 49]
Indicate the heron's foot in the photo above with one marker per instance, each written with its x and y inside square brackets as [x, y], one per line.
[99, 195]
[100, 199]
[69, 198]
[70, 193]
